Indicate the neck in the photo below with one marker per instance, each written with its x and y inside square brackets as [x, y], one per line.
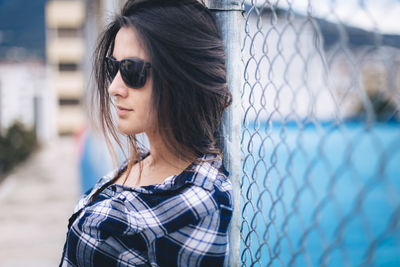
[160, 156]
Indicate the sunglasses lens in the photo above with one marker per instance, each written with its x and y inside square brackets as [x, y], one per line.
[133, 73]
[111, 68]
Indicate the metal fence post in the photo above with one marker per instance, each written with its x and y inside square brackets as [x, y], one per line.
[228, 16]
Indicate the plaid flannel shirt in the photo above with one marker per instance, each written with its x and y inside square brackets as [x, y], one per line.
[181, 222]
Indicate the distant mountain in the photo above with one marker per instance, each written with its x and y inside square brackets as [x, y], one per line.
[22, 29]
[355, 37]
[332, 33]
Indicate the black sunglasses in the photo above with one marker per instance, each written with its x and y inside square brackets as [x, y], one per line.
[133, 71]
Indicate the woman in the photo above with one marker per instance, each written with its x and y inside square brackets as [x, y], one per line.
[160, 66]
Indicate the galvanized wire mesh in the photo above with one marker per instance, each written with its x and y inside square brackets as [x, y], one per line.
[320, 134]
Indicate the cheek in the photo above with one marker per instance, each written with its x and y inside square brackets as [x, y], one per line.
[148, 105]
[151, 118]
[144, 115]
[143, 105]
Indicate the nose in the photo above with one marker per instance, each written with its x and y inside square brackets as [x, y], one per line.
[118, 87]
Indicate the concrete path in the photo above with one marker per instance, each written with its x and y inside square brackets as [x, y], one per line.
[36, 200]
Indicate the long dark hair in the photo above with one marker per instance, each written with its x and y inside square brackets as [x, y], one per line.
[190, 91]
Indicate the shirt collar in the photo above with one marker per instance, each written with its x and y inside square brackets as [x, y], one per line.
[201, 174]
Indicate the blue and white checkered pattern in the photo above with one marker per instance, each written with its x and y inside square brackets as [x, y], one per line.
[181, 222]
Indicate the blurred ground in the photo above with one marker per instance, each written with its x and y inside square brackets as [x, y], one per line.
[36, 200]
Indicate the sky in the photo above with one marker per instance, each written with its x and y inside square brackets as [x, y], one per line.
[22, 29]
[376, 15]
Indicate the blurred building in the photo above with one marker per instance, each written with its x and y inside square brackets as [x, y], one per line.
[98, 13]
[25, 98]
[65, 53]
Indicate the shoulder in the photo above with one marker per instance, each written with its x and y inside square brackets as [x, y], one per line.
[211, 176]
[200, 191]
[204, 185]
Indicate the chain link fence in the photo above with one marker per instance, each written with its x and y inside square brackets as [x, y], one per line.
[320, 142]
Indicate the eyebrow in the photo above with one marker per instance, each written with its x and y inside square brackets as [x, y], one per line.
[134, 58]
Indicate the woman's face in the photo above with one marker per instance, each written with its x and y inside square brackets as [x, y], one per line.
[133, 105]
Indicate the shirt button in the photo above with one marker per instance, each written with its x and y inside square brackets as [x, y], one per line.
[122, 197]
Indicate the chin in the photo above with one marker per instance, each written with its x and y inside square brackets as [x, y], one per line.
[125, 129]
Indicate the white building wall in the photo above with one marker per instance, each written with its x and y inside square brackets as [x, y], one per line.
[20, 84]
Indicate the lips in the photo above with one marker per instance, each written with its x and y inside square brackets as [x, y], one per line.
[123, 108]
[122, 111]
